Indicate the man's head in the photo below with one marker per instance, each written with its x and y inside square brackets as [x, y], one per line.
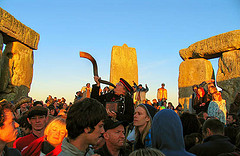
[38, 103]
[86, 117]
[163, 85]
[115, 133]
[123, 87]
[195, 87]
[140, 86]
[88, 85]
[231, 118]
[38, 117]
[212, 127]
[8, 131]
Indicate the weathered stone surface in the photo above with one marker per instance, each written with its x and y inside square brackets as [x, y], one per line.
[228, 75]
[14, 30]
[1, 48]
[193, 71]
[213, 46]
[17, 70]
[123, 64]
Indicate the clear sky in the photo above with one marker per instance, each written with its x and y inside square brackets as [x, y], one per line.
[158, 29]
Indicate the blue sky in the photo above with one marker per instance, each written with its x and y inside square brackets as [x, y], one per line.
[158, 29]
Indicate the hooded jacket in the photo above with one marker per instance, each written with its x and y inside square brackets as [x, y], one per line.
[167, 134]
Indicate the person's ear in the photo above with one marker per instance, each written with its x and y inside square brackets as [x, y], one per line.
[106, 136]
[148, 118]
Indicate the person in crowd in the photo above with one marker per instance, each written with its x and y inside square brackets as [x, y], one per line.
[49, 99]
[24, 125]
[52, 110]
[217, 107]
[167, 134]
[232, 128]
[235, 106]
[143, 116]
[140, 92]
[192, 140]
[38, 103]
[8, 131]
[200, 101]
[114, 137]
[170, 106]
[78, 95]
[50, 143]
[37, 117]
[118, 102]
[203, 115]
[162, 94]
[86, 90]
[155, 103]
[163, 106]
[190, 123]
[105, 90]
[85, 127]
[147, 152]
[22, 106]
[179, 109]
[214, 142]
[191, 100]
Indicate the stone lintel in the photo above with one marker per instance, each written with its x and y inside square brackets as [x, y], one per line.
[212, 47]
[14, 30]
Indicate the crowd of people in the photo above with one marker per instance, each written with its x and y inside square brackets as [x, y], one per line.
[121, 121]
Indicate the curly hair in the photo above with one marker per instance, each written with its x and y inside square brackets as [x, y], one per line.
[4, 104]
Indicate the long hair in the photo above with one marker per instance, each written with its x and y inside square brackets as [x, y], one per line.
[145, 130]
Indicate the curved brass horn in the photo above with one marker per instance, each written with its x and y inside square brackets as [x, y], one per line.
[95, 68]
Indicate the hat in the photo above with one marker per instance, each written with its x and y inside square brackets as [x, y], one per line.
[151, 111]
[110, 124]
[37, 110]
[22, 100]
[126, 85]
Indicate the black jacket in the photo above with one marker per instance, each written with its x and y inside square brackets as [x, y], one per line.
[213, 146]
[127, 112]
[104, 151]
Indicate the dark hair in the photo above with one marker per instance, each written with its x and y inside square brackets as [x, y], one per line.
[190, 140]
[234, 116]
[37, 110]
[37, 102]
[4, 104]
[215, 125]
[23, 122]
[190, 123]
[86, 113]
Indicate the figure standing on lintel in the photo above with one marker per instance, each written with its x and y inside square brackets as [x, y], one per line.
[86, 90]
[162, 94]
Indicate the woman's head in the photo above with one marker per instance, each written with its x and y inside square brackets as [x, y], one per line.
[200, 92]
[56, 131]
[217, 96]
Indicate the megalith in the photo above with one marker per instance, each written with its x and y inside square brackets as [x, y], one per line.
[228, 75]
[123, 64]
[212, 47]
[17, 43]
[192, 71]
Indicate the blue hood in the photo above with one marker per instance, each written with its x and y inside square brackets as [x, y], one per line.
[167, 134]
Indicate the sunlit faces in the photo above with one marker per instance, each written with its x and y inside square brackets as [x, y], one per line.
[8, 131]
[120, 89]
[56, 134]
[115, 136]
[200, 92]
[140, 117]
[94, 136]
[38, 122]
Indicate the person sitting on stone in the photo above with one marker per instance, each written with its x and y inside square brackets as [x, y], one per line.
[214, 142]
[8, 131]
[140, 93]
[200, 101]
[114, 137]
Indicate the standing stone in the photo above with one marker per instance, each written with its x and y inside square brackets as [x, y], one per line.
[192, 71]
[17, 71]
[228, 75]
[124, 64]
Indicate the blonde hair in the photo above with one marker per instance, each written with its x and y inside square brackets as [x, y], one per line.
[60, 121]
[147, 152]
[145, 130]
